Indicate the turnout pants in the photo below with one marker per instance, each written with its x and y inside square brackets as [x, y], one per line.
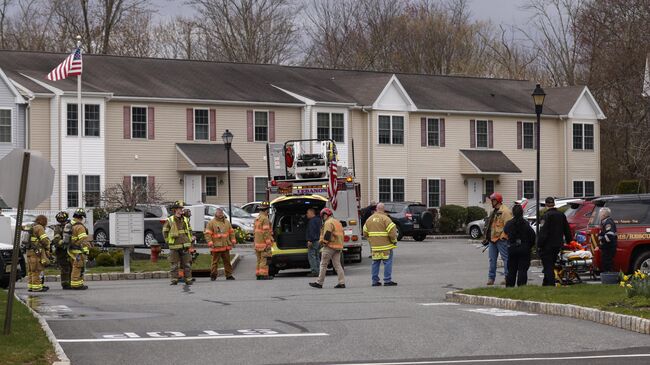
[223, 256]
[262, 266]
[63, 261]
[334, 256]
[34, 269]
[78, 262]
[180, 258]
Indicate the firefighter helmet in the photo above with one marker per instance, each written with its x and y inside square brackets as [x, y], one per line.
[327, 211]
[62, 216]
[263, 205]
[79, 213]
[176, 205]
[497, 196]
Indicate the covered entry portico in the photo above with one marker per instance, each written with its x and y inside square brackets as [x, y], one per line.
[481, 170]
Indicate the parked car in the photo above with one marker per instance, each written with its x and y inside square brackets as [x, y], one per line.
[561, 204]
[155, 216]
[631, 213]
[578, 215]
[240, 218]
[252, 208]
[411, 218]
[476, 229]
[6, 252]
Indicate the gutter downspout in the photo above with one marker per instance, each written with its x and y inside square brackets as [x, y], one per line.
[27, 111]
[370, 140]
[566, 158]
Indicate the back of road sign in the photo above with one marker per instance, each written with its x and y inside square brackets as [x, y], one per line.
[39, 182]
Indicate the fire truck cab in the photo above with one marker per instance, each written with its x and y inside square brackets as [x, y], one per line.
[302, 174]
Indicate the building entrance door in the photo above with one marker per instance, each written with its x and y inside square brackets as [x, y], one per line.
[192, 189]
[474, 192]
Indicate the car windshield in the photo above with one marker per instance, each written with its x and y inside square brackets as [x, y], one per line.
[417, 208]
[237, 212]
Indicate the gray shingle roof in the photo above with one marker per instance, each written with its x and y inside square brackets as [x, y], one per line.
[200, 80]
[490, 161]
[211, 155]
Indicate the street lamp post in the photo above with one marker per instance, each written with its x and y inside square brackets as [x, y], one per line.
[227, 141]
[538, 98]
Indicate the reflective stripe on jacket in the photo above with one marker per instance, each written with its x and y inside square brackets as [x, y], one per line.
[38, 239]
[219, 235]
[177, 238]
[79, 238]
[381, 232]
[336, 228]
[263, 237]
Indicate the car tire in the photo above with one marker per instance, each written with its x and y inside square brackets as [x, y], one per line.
[475, 232]
[642, 262]
[399, 232]
[101, 237]
[273, 271]
[149, 238]
[419, 237]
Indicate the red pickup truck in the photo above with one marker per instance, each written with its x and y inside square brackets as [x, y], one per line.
[631, 213]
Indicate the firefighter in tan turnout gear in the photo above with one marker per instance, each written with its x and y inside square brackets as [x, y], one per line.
[331, 238]
[37, 253]
[178, 235]
[382, 236]
[61, 241]
[78, 249]
[263, 241]
[220, 238]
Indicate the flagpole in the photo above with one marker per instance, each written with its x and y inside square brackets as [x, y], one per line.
[80, 119]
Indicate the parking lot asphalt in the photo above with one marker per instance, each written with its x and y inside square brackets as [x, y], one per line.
[284, 321]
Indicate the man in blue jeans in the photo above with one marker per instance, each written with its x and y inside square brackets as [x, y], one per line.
[382, 236]
[313, 245]
[496, 238]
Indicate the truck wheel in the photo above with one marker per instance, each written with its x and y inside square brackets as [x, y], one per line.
[273, 271]
[642, 262]
[419, 237]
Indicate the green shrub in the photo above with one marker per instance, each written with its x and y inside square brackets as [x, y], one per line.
[105, 259]
[99, 213]
[630, 187]
[447, 226]
[118, 256]
[475, 213]
[93, 253]
[455, 213]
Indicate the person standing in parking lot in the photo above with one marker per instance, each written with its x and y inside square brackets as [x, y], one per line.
[220, 238]
[37, 252]
[521, 239]
[382, 236]
[263, 240]
[178, 235]
[313, 244]
[608, 240]
[62, 235]
[497, 239]
[331, 237]
[554, 231]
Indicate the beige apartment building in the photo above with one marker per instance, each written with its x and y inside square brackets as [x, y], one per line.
[436, 139]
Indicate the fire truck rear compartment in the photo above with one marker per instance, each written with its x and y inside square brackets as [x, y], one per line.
[290, 222]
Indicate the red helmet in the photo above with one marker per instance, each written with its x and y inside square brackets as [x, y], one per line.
[497, 196]
[327, 211]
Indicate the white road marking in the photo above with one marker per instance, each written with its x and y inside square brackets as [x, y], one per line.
[221, 337]
[498, 312]
[434, 362]
[438, 304]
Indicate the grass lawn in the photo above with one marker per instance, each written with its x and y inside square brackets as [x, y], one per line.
[27, 344]
[610, 298]
[202, 262]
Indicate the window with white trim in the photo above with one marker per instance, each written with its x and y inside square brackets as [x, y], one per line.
[330, 126]
[529, 189]
[391, 129]
[260, 188]
[528, 135]
[261, 126]
[391, 190]
[489, 187]
[91, 190]
[138, 122]
[139, 187]
[73, 191]
[91, 120]
[583, 136]
[482, 133]
[201, 124]
[584, 189]
[433, 132]
[5, 126]
[72, 127]
[433, 193]
[211, 185]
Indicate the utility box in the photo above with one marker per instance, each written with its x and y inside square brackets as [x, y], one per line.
[6, 233]
[126, 228]
[197, 220]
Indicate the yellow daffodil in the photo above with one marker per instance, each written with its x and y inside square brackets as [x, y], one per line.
[629, 286]
[622, 284]
[626, 278]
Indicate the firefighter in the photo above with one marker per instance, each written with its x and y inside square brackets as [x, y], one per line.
[61, 241]
[78, 250]
[220, 238]
[37, 253]
[382, 236]
[263, 242]
[178, 235]
[331, 238]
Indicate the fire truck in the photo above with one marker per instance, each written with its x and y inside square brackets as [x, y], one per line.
[305, 174]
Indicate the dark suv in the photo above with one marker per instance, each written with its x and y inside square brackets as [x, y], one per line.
[632, 216]
[6, 251]
[411, 218]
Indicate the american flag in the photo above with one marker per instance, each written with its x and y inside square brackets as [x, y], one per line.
[332, 188]
[71, 66]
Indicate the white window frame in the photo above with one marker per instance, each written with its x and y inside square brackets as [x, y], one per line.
[404, 130]
[523, 188]
[329, 124]
[11, 126]
[205, 182]
[86, 190]
[146, 129]
[139, 175]
[66, 121]
[523, 140]
[429, 192]
[427, 131]
[268, 126]
[392, 192]
[584, 190]
[255, 185]
[487, 133]
[583, 137]
[194, 123]
[67, 191]
[99, 127]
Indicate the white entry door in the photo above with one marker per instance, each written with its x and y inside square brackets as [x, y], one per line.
[192, 189]
[474, 191]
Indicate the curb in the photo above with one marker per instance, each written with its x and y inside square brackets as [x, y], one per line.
[626, 322]
[63, 358]
[134, 276]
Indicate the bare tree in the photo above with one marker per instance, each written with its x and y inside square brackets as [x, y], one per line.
[509, 56]
[31, 28]
[179, 38]
[124, 197]
[3, 15]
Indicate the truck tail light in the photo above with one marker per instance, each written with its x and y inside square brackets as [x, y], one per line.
[162, 221]
[274, 183]
[346, 238]
[352, 222]
[355, 238]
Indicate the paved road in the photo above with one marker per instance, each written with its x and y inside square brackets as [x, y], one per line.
[284, 321]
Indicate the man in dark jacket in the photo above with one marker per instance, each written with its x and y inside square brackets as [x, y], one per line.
[608, 240]
[554, 231]
[313, 238]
